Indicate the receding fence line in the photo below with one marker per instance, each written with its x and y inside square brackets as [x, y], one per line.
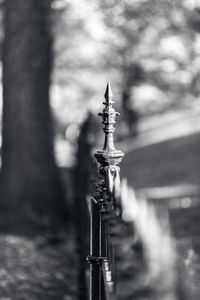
[104, 207]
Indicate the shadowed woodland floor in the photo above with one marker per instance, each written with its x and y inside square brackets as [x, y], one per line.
[38, 267]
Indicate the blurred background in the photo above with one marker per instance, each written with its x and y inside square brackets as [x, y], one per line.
[56, 59]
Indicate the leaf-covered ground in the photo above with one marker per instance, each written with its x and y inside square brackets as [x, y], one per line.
[38, 268]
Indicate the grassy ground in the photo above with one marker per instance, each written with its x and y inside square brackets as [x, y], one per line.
[171, 162]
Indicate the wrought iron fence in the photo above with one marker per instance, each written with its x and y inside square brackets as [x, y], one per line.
[105, 208]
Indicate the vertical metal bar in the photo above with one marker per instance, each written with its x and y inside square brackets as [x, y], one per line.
[103, 253]
[94, 251]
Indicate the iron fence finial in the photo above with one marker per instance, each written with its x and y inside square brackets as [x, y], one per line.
[109, 155]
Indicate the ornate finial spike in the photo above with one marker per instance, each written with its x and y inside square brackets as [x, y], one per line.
[109, 155]
[108, 94]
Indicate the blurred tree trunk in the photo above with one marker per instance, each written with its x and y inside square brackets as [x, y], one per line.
[29, 176]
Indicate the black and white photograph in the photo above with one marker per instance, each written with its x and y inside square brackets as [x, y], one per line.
[100, 150]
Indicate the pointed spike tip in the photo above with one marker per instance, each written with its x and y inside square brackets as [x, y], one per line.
[108, 94]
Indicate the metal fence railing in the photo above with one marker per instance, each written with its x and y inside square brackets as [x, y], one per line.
[104, 208]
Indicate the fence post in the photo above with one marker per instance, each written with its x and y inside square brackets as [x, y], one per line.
[104, 205]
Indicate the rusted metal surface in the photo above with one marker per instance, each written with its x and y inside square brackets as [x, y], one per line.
[104, 206]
